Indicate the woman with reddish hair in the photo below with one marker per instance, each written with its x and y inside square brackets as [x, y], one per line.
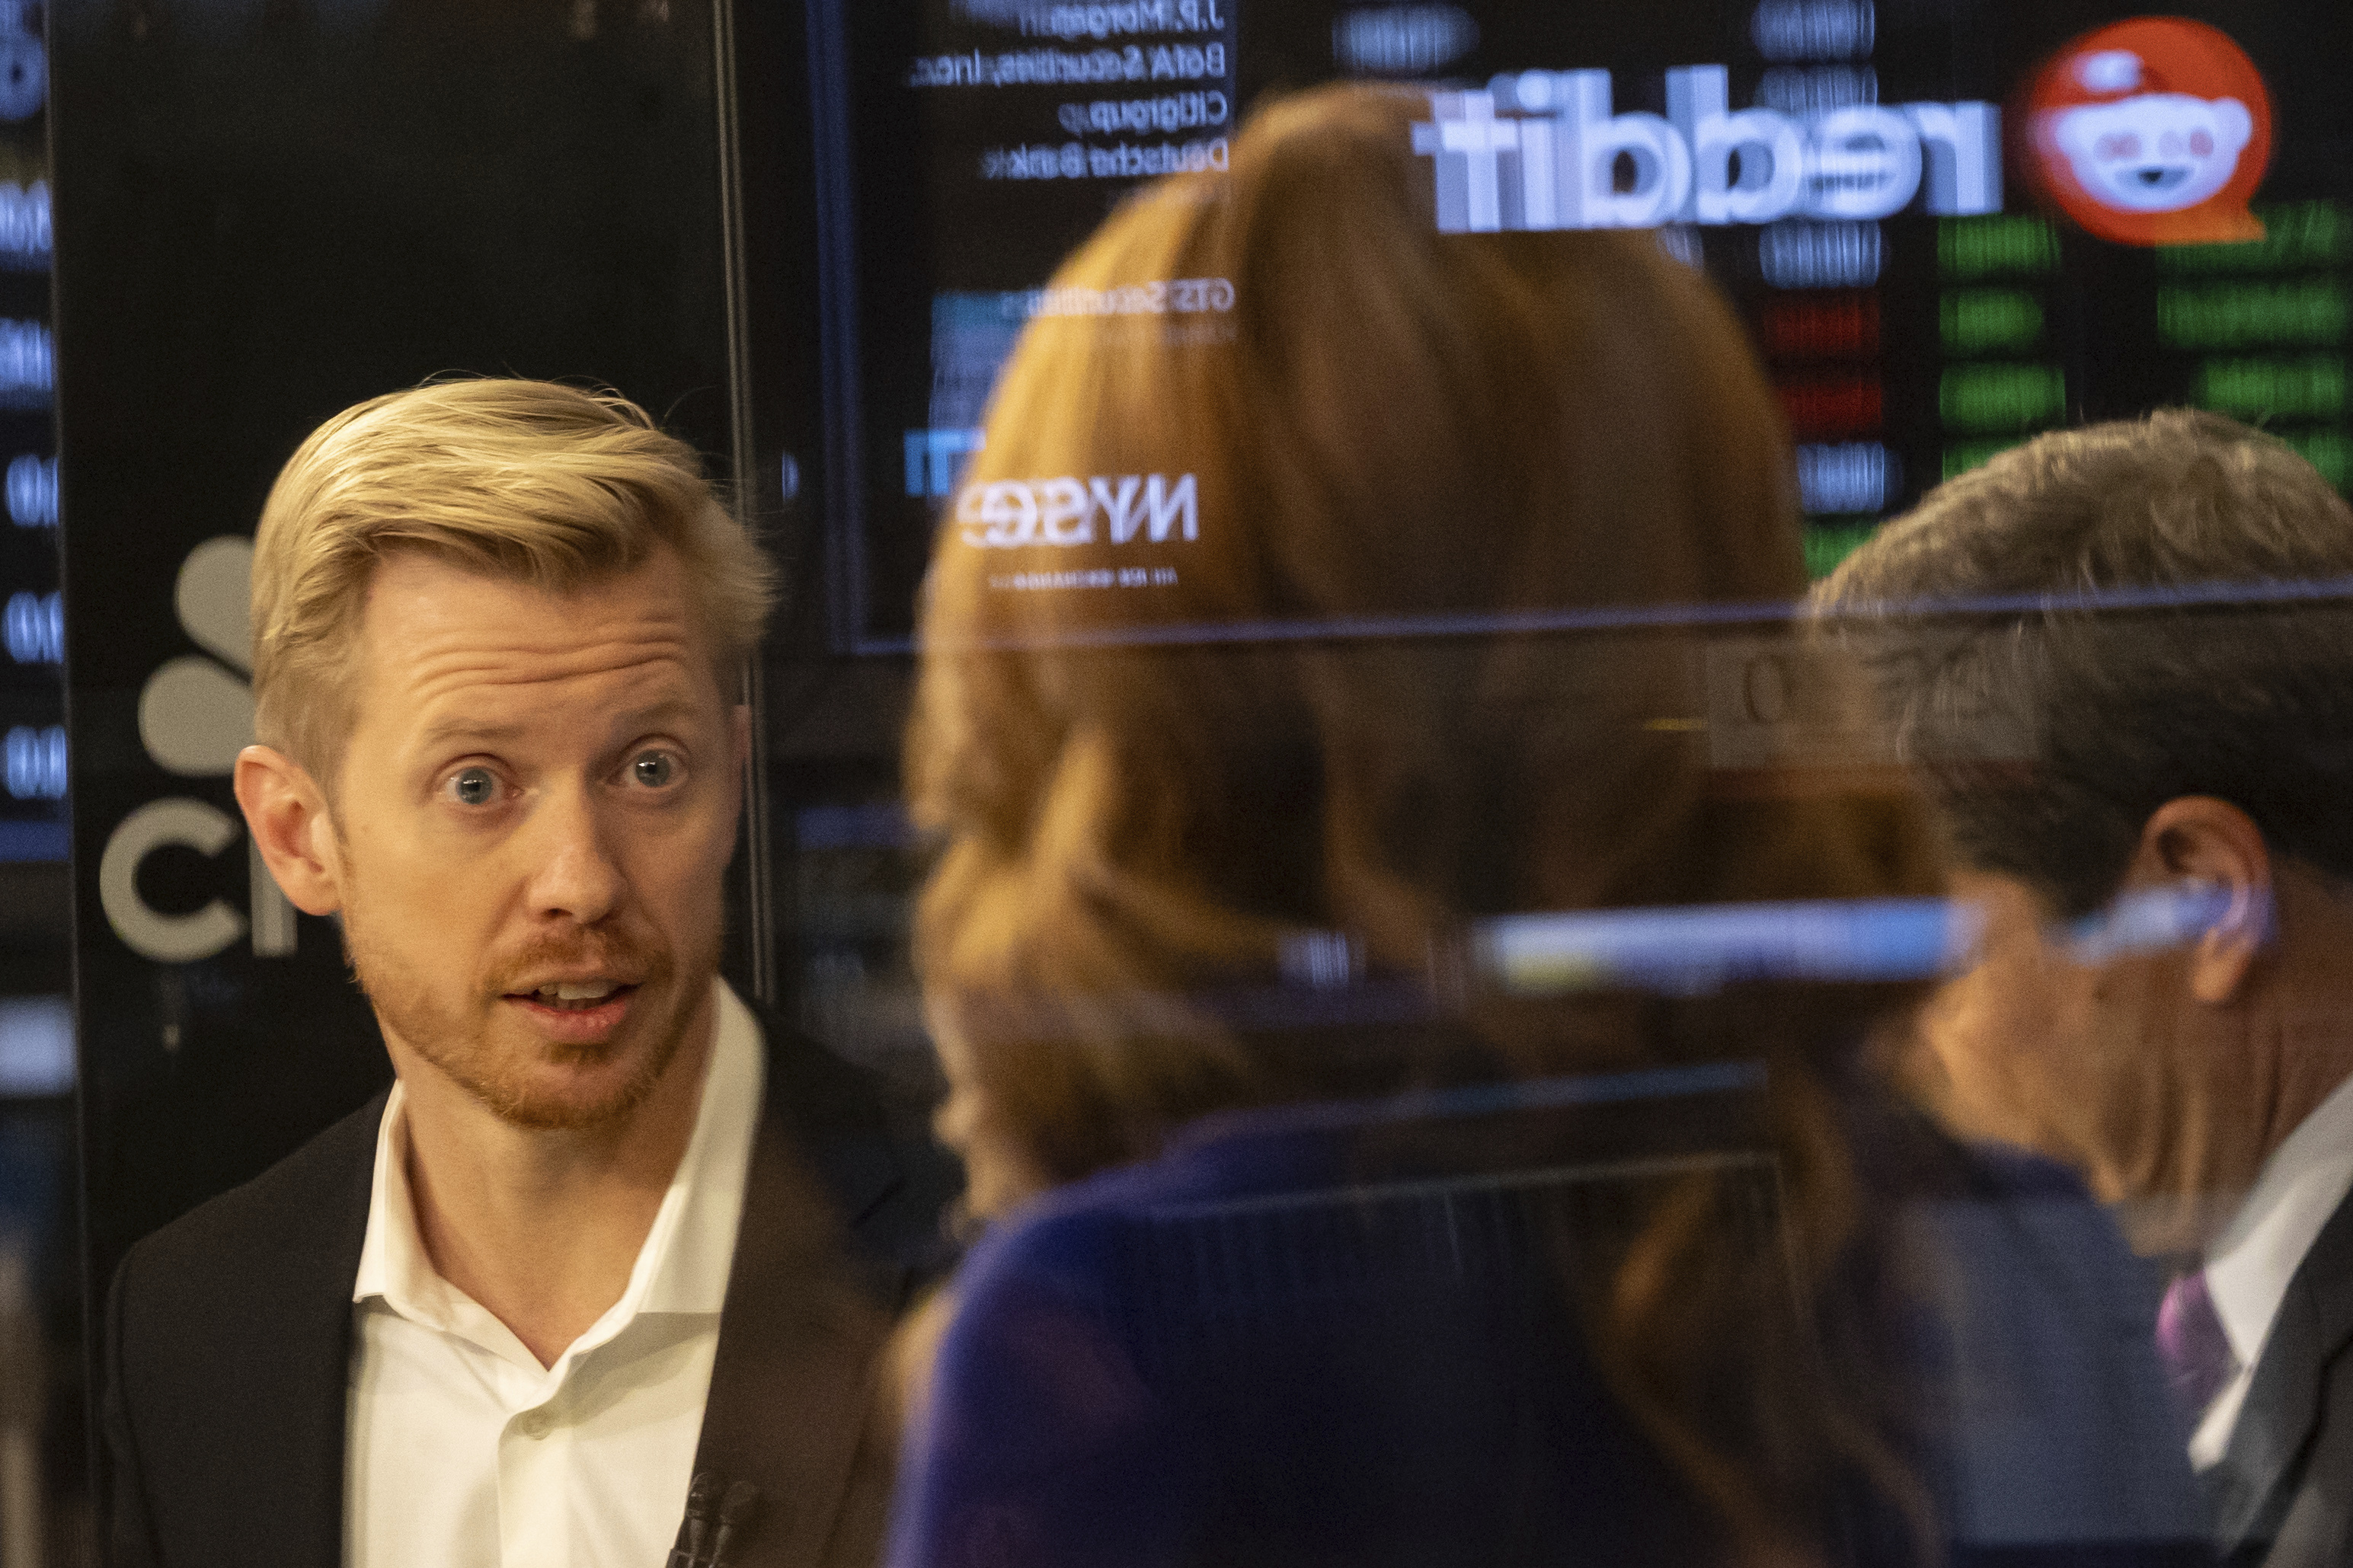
[1276, 660]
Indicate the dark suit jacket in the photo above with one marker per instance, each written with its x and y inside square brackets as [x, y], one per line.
[1340, 1334]
[228, 1338]
[2283, 1494]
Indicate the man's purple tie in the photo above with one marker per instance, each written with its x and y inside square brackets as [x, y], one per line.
[2190, 1342]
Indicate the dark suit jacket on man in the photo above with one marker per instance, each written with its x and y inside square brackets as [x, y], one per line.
[229, 1339]
[2283, 1494]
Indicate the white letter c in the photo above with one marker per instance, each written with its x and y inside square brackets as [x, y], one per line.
[166, 939]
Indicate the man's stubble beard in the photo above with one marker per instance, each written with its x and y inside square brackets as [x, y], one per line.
[464, 1049]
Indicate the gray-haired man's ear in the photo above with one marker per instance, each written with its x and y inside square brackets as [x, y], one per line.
[2211, 841]
[286, 813]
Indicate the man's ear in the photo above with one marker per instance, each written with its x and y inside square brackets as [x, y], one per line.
[286, 813]
[2202, 839]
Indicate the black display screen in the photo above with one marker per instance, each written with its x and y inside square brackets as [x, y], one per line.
[1948, 225]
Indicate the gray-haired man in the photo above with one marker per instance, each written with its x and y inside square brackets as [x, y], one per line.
[2114, 655]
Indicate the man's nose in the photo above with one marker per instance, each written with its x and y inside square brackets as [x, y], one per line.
[575, 874]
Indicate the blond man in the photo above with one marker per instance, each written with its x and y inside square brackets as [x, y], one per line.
[605, 1273]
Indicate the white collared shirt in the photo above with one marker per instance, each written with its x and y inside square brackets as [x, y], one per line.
[464, 1452]
[2250, 1265]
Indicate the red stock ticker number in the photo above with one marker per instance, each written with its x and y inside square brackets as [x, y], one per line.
[1831, 406]
[1838, 326]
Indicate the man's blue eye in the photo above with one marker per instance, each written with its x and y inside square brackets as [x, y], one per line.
[474, 786]
[655, 769]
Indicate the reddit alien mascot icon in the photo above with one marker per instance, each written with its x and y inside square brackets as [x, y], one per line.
[2152, 132]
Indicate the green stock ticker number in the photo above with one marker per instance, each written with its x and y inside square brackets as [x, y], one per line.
[2296, 236]
[2309, 388]
[1987, 320]
[2311, 310]
[1827, 544]
[1992, 397]
[1960, 457]
[2330, 451]
[1999, 245]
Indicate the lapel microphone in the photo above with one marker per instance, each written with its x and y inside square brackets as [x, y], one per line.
[695, 1530]
[714, 1525]
[737, 1514]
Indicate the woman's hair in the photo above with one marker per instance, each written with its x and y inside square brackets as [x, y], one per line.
[1150, 791]
[533, 481]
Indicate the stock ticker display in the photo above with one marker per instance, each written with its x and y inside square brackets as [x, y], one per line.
[1948, 224]
[32, 615]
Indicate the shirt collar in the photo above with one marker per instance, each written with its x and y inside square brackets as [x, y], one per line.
[2249, 1266]
[688, 1254]
[689, 1273]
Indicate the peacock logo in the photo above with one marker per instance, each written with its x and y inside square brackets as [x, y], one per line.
[196, 714]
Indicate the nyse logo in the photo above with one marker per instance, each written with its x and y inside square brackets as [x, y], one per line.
[195, 715]
[1555, 161]
[1009, 514]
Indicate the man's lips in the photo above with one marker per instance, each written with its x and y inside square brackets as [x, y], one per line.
[575, 1023]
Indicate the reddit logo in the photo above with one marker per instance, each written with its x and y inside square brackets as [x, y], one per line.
[2153, 132]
